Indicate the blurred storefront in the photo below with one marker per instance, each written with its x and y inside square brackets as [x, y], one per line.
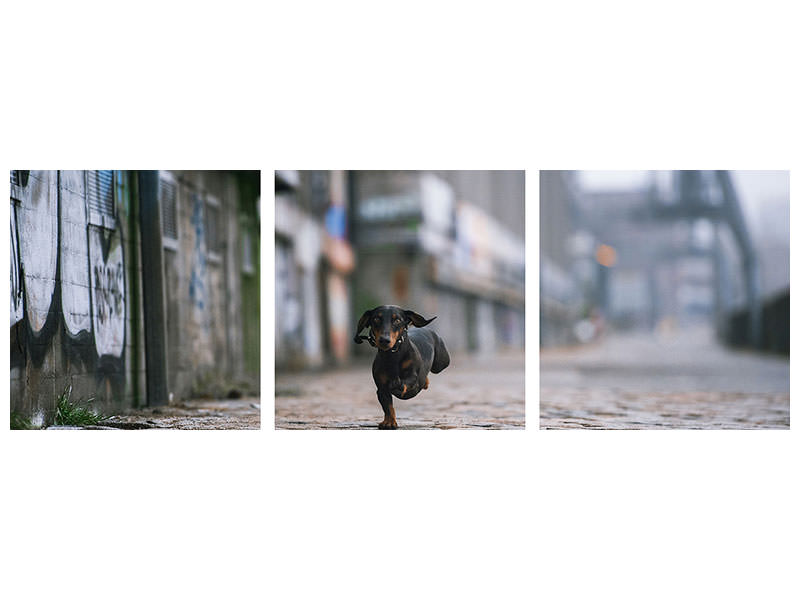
[313, 261]
[445, 243]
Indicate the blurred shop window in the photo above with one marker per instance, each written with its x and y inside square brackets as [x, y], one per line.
[288, 306]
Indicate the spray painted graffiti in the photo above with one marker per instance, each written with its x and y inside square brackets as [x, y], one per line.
[199, 289]
[107, 272]
[16, 281]
[74, 253]
[85, 260]
[38, 237]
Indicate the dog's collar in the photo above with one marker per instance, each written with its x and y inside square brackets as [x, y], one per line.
[393, 349]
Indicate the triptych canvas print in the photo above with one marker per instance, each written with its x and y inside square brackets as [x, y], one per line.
[399, 299]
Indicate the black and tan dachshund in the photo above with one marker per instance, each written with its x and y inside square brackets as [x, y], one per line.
[404, 357]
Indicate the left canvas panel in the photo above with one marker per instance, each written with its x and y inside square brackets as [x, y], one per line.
[135, 299]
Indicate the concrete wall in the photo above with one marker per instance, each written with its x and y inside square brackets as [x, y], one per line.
[204, 276]
[71, 320]
[76, 284]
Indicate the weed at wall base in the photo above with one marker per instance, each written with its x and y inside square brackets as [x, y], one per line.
[19, 421]
[75, 413]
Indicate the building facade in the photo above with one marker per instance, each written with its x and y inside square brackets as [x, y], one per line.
[79, 271]
[313, 262]
[444, 243]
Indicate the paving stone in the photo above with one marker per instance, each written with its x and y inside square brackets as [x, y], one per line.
[472, 393]
[643, 382]
[244, 413]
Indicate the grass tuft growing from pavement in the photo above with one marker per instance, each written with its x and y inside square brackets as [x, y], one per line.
[75, 413]
[18, 421]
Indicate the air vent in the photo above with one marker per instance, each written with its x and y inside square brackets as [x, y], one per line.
[100, 192]
[167, 192]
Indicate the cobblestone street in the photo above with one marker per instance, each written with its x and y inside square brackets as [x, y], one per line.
[683, 382]
[472, 393]
[243, 413]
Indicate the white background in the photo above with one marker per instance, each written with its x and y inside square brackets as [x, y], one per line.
[361, 85]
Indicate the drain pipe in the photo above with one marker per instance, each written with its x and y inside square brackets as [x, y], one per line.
[153, 290]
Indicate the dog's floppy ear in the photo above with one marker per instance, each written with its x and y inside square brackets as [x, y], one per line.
[415, 319]
[362, 322]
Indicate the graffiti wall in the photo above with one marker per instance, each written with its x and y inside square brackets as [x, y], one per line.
[203, 264]
[196, 302]
[107, 274]
[74, 251]
[38, 221]
[77, 280]
[68, 306]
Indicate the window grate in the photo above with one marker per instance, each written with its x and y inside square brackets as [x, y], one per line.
[167, 192]
[100, 192]
[14, 177]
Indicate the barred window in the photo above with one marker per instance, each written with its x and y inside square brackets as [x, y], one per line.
[168, 200]
[100, 197]
[19, 180]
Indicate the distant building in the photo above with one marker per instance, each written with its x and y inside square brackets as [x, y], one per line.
[444, 243]
[313, 262]
[562, 247]
[671, 250]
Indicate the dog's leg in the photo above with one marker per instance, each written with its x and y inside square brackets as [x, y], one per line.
[407, 385]
[389, 420]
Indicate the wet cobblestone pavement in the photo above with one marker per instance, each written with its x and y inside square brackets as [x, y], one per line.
[683, 382]
[472, 393]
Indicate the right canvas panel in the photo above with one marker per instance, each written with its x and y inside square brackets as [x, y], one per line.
[664, 299]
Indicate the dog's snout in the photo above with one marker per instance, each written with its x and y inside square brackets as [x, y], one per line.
[384, 340]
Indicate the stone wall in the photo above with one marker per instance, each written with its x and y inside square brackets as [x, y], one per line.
[71, 320]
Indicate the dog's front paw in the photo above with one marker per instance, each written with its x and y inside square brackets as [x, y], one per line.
[387, 424]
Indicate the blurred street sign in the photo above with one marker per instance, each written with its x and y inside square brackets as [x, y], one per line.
[390, 208]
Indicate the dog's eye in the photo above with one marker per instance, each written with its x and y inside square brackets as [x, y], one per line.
[396, 320]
